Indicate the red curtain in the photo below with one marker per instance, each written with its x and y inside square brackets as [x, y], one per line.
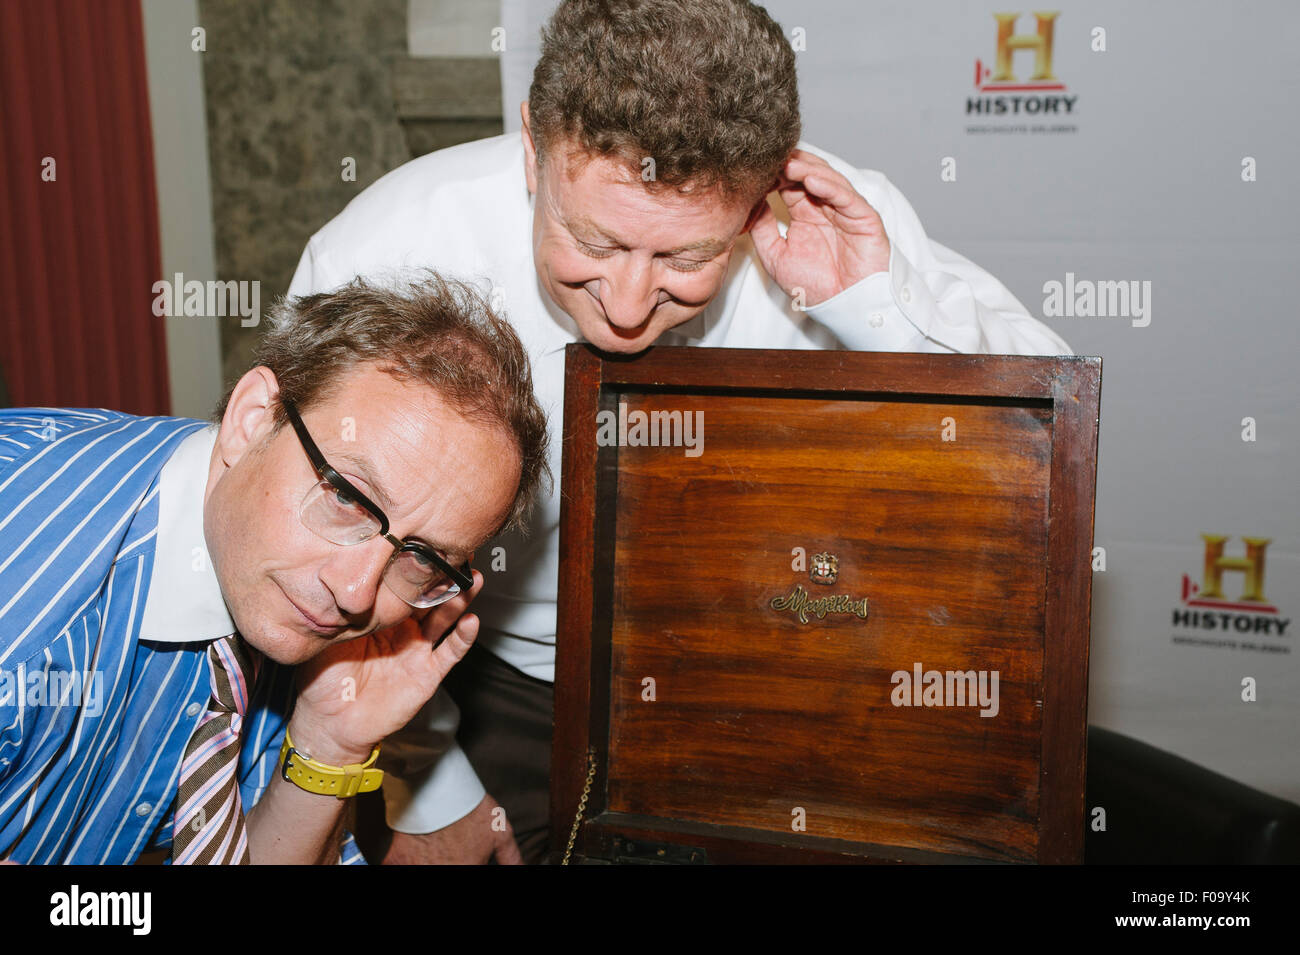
[79, 253]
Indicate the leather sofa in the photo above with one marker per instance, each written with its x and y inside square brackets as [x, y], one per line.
[1162, 809]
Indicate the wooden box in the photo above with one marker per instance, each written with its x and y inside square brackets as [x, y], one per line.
[823, 606]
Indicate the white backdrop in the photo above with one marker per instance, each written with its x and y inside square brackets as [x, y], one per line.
[1147, 185]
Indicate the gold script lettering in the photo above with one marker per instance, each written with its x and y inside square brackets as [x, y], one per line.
[799, 604]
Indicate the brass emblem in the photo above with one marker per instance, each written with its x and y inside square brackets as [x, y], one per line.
[825, 569]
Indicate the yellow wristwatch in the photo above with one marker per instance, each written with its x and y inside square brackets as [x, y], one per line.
[342, 781]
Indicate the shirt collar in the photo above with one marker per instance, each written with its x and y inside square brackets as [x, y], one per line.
[184, 602]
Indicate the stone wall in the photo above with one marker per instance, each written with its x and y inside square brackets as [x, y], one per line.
[293, 87]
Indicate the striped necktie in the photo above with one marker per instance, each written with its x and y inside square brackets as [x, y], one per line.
[208, 828]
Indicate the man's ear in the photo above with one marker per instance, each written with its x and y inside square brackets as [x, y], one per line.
[250, 414]
[530, 149]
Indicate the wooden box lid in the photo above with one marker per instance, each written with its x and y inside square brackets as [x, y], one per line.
[824, 606]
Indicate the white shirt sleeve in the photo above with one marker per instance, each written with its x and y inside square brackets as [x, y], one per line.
[428, 780]
[932, 299]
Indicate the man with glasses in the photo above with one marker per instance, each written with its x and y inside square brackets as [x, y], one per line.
[631, 209]
[206, 633]
[341, 514]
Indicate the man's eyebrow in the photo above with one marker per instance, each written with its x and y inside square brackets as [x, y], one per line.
[452, 552]
[368, 472]
[382, 498]
[710, 246]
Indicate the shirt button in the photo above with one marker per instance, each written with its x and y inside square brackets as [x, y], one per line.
[906, 294]
[143, 809]
[192, 709]
[876, 320]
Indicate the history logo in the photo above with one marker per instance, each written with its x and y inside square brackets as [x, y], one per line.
[1000, 93]
[1222, 621]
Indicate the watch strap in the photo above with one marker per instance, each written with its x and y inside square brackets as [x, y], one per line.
[326, 780]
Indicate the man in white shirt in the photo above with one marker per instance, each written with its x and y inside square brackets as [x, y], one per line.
[633, 210]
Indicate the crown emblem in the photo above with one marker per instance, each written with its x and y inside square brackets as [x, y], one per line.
[825, 568]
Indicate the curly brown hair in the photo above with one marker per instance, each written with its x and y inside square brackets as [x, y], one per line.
[707, 88]
[433, 330]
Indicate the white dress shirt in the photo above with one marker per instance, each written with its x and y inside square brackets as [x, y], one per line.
[466, 212]
[185, 603]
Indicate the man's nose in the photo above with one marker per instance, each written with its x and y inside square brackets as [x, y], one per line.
[353, 574]
[628, 294]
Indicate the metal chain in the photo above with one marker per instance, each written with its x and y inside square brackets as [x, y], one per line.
[582, 804]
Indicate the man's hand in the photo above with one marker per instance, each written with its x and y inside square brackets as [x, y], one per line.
[354, 694]
[473, 840]
[350, 697]
[835, 239]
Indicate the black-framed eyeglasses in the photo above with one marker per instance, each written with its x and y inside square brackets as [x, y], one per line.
[335, 510]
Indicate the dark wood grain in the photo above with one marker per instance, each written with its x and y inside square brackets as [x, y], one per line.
[1076, 410]
[574, 616]
[973, 553]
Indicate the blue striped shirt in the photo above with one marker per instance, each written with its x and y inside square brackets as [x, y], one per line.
[95, 716]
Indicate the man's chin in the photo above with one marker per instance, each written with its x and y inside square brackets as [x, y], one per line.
[289, 646]
[284, 645]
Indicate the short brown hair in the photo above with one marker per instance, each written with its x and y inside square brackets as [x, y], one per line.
[706, 88]
[431, 330]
